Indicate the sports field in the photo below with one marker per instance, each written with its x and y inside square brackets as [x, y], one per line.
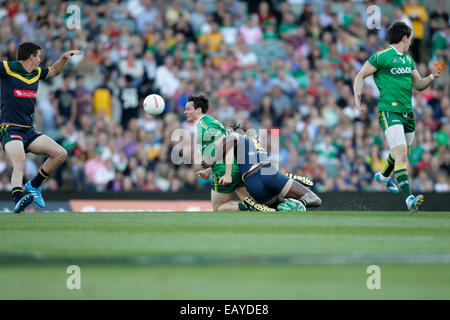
[190, 255]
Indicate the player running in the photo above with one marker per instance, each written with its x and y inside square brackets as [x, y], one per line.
[395, 75]
[263, 180]
[19, 85]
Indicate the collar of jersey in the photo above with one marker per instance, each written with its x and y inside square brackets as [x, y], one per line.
[16, 69]
[196, 122]
[401, 54]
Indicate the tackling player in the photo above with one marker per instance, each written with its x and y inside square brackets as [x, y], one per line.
[19, 85]
[209, 132]
[263, 180]
[395, 75]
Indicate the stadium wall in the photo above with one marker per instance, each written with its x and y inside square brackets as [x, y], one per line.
[199, 201]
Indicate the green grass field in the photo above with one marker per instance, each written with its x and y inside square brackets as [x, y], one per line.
[189, 255]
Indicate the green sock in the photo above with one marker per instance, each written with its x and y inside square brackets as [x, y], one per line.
[401, 174]
[388, 165]
[242, 206]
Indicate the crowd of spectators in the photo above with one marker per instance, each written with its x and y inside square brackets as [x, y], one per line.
[286, 68]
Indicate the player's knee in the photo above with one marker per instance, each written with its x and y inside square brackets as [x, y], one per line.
[401, 154]
[316, 201]
[61, 155]
[312, 199]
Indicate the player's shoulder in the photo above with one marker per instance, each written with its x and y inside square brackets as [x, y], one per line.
[385, 52]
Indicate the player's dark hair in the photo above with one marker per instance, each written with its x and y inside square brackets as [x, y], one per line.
[200, 102]
[27, 49]
[397, 30]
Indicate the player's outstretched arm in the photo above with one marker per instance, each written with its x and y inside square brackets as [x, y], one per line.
[420, 83]
[366, 70]
[58, 66]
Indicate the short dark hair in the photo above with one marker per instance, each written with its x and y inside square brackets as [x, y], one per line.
[200, 102]
[27, 49]
[397, 30]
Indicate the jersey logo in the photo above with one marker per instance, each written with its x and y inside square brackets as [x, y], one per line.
[401, 70]
[405, 115]
[25, 93]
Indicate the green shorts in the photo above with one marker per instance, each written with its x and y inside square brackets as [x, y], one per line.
[218, 172]
[389, 118]
[399, 128]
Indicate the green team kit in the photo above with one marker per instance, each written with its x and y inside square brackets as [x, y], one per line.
[209, 130]
[394, 81]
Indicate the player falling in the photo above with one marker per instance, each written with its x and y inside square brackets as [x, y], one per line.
[395, 75]
[262, 179]
[19, 85]
[208, 134]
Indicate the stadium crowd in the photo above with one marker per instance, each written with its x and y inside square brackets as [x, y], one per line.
[287, 69]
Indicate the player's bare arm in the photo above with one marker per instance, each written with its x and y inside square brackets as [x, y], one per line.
[366, 70]
[223, 146]
[420, 83]
[58, 66]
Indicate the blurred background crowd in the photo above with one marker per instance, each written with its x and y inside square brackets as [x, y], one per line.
[286, 67]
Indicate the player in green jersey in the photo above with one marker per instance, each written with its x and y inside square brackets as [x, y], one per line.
[208, 131]
[395, 75]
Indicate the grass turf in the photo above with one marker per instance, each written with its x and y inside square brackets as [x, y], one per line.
[186, 255]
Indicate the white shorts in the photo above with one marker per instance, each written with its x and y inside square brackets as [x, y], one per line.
[395, 136]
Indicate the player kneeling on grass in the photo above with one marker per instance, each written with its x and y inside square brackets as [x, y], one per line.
[262, 179]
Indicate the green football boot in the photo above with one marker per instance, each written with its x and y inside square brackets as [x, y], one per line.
[295, 205]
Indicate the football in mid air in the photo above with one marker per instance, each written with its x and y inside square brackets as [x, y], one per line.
[154, 104]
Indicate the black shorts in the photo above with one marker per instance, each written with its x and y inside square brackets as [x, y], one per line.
[11, 132]
[266, 185]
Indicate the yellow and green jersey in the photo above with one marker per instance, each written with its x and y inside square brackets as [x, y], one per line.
[209, 130]
[18, 92]
[393, 79]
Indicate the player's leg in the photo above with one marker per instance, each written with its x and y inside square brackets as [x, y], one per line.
[396, 138]
[412, 202]
[222, 201]
[242, 192]
[280, 187]
[304, 195]
[388, 120]
[16, 154]
[44, 145]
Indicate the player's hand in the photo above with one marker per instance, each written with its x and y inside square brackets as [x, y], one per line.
[208, 163]
[225, 180]
[203, 174]
[436, 71]
[358, 101]
[71, 53]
